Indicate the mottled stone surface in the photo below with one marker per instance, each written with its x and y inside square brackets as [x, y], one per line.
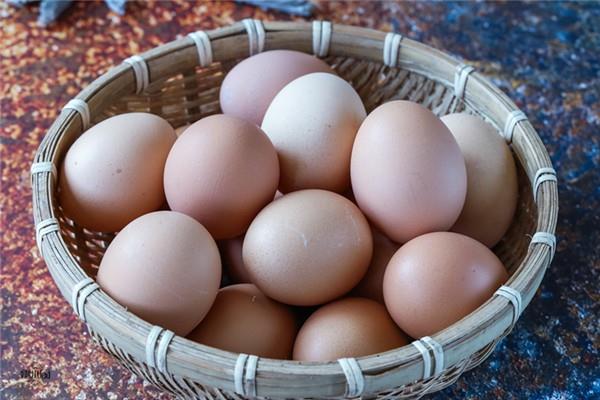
[546, 56]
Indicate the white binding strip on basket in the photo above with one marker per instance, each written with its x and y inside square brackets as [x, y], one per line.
[244, 375]
[81, 291]
[513, 119]
[250, 375]
[77, 288]
[161, 351]
[43, 167]
[424, 345]
[546, 238]
[203, 46]
[151, 344]
[391, 49]
[355, 381]
[321, 37]
[156, 350]
[82, 108]
[43, 228]
[426, 358]
[256, 35]
[515, 299]
[141, 72]
[545, 174]
[460, 79]
[438, 354]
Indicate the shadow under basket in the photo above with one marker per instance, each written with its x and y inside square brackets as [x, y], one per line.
[180, 81]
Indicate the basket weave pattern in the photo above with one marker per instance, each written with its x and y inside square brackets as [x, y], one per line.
[182, 91]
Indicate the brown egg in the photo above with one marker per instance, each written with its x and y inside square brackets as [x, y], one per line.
[408, 174]
[312, 123]
[165, 268]
[251, 85]
[243, 320]
[221, 171]
[231, 254]
[371, 285]
[492, 187]
[437, 279]
[112, 174]
[350, 327]
[308, 247]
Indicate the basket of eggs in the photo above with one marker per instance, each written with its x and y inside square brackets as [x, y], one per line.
[295, 210]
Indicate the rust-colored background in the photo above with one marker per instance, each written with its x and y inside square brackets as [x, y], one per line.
[544, 55]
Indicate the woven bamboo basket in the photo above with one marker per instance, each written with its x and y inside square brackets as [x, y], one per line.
[180, 81]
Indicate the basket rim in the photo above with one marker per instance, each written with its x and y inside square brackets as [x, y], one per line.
[285, 378]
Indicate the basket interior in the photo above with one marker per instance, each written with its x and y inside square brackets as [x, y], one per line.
[184, 98]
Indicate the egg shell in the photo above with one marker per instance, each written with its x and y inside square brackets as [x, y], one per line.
[371, 285]
[165, 268]
[492, 186]
[233, 264]
[251, 85]
[437, 279]
[112, 173]
[350, 327]
[408, 174]
[222, 170]
[244, 320]
[308, 247]
[312, 123]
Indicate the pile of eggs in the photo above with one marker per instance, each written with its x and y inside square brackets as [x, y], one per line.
[340, 234]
